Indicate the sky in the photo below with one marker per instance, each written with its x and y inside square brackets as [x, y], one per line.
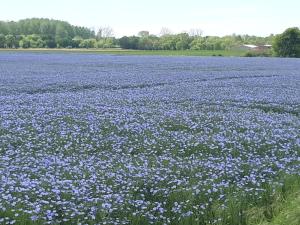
[128, 17]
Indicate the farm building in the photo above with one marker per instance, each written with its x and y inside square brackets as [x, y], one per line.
[256, 47]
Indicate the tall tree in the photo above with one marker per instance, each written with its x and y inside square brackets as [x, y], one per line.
[2, 40]
[10, 41]
[287, 44]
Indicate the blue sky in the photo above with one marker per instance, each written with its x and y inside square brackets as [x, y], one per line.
[127, 17]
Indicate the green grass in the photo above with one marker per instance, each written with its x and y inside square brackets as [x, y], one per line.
[118, 51]
[283, 209]
[290, 212]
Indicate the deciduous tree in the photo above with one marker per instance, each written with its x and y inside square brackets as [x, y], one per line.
[287, 44]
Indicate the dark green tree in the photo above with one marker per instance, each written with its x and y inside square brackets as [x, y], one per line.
[49, 41]
[4, 28]
[10, 41]
[63, 35]
[129, 42]
[287, 44]
[2, 40]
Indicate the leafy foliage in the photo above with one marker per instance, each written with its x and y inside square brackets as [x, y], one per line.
[287, 44]
[54, 33]
[48, 33]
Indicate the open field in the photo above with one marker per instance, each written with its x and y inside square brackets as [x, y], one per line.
[136, 52]
[117, 139]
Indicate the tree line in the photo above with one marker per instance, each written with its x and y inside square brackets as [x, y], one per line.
[187, 41]
[40, 33]
[46, 33]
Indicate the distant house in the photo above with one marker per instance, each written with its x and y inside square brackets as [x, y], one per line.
[250, 47]
[268, 46]
[255, 47]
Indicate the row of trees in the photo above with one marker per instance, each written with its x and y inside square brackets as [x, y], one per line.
[185, 41]
[46, 33]
[38, 41]
[55, 28]
[167, 42]
[41, 33]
